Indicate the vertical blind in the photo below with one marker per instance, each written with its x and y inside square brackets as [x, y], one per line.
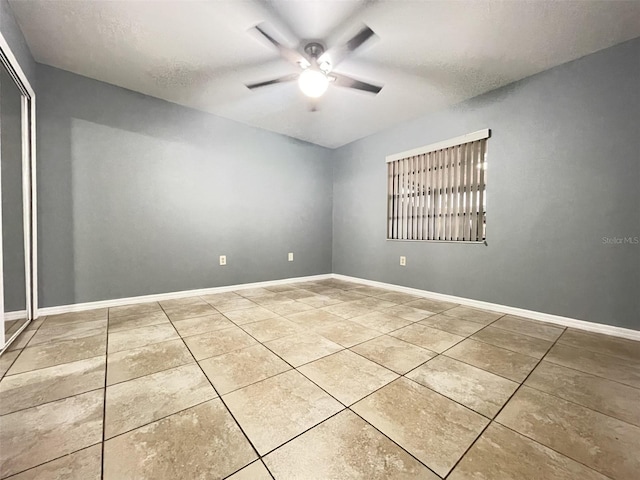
[438, 192]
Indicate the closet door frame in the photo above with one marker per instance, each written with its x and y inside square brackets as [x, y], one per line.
[29, 200]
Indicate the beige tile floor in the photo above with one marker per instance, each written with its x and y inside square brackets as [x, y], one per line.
[317, 380]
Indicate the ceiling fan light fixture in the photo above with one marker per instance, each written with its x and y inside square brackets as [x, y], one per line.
[313, 83]
[325, 67]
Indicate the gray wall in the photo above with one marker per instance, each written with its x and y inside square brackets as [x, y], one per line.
[564, 172]
[139, 196]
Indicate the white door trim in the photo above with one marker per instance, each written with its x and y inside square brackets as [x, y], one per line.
[28, 190]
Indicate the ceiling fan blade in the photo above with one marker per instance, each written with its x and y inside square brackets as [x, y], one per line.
[286, 78]
[348, 82]
[287, 53]
[336, 55]
[362, 36]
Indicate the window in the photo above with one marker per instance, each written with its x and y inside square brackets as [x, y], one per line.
[438, 192]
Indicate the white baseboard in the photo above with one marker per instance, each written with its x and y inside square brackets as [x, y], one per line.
[543, 317]
[494, 307]
[15, 315]
[80, 307]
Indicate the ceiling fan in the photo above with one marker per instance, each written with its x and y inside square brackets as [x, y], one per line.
[317, 65]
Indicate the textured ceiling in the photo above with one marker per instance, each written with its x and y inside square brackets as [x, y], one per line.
[429, 54]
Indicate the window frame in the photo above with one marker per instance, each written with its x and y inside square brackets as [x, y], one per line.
[417, 161]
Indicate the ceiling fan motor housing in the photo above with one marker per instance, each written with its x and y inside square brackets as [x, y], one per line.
[314, 49]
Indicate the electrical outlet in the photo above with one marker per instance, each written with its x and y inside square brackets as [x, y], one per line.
[223, 259]
[403, 261]
[291, 256]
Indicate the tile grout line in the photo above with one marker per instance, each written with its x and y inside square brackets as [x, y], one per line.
[569, 401]
[589, 373]
[481, 368]
[543, 358]
[66, 324]
[385, 385]
[152, 373]
[576, 403]
[562, 329]
[554, 450]
[44, 327]
[53, 343]
[257, 460]
[104, 398]
[391, 439]
[121, 330]
[438, 354]
[470, 337]
[492, 420]
[239, 350]
[177, 338]
[50, 366]
[53, 401]
[424, 386]
[11, 364]
[104, 406]
[26, 330]
[13, 475]
[53, 366]
[511, 350]
[20, 350]
[156, 420]
[261, 457]
[123, 381]
[221, 400]
[384, 366]
[597, 352]
[343, 348]
[83, 448]
[446, 396]
[266, 468]
[292, 367]
[554, 342]
[348, 407]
